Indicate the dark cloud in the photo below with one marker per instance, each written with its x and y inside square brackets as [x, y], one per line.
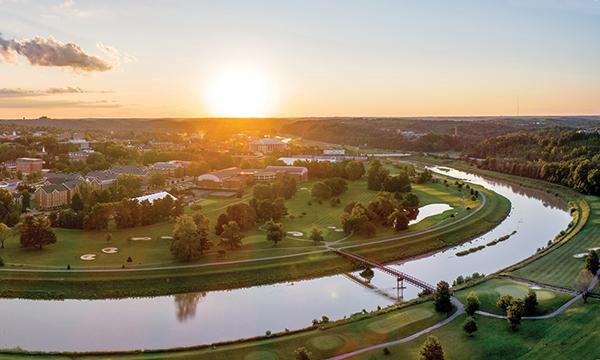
[51, 52]
[19, 93]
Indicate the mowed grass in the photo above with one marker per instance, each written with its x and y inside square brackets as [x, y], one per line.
[559, 267]
[331, 340]
[208, 273]
[571, 335]
[491, 290]
[304, 214]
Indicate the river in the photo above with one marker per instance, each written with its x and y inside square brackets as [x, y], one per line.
[204, 318]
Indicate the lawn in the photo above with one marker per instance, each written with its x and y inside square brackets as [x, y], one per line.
[491, 290]
[572, 335]
[308, 259]
[564, 267]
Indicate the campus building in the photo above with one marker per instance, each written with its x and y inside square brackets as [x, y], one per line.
[267, 145]
[29, 165]
[235, 178]
[56, 195]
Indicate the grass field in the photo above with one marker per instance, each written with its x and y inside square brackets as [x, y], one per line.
[564, 267]
[572, 335]
[491, 290]
[155, 255]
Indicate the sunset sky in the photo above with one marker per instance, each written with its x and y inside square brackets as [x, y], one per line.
[298, 58]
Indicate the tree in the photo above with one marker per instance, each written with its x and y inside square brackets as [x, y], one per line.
[275, 232]
[355, 170]
[285, 185]
[321, 191]
[5, 233]
[441, 297]
[431, 349]
[221, 221]
[189, 242]
[514, 313]
[591, 262]
[99, 216]
[108, 237]
[36, 232]
[316, 235]
[530, 302]
[376, 175]
[231, 235]
[9, 210]
[470, 326]
[302, 353]
[77, 203]
[262, 192]
[583, 282]
[398, 220]
[25, 201]
[472, 303]
[157, 180]
[504, 302]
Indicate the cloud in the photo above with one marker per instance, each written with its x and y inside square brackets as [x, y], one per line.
[42, 104]
[51, 52]
[69, 7]
[116, 56]
[19, 92]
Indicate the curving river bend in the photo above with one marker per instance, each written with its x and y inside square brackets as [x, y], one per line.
[204, 318]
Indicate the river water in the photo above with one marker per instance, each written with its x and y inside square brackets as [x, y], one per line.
[204, 318]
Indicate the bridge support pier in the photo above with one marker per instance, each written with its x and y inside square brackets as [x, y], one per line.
[400, 288]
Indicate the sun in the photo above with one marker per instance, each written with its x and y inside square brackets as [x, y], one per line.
[239, 91]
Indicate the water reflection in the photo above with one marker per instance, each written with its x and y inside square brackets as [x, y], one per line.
[185, 305]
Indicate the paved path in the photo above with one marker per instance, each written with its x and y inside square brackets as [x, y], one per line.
[323, 249]
[556, 312]
[459, 311]
[542, 285]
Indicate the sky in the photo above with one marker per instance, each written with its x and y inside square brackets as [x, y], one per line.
[279, 58]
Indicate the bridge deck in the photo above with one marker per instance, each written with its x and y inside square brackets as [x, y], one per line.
[393, 272]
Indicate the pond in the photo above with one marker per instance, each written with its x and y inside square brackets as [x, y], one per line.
[204, 318]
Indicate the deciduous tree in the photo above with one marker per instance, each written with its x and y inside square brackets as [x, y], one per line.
[431, 349]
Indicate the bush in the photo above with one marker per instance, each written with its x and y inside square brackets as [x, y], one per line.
[1, 261]
[386, 351]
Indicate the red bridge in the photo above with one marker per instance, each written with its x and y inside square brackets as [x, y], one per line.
[399, 275]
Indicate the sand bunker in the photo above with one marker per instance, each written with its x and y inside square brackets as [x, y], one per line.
[594, 249]
[339, 230]
[580, 255]
[140, 238]
[332, 227]
[534, 287]
[88, 257]
[110, 250]
[295, 233]
[166, 237]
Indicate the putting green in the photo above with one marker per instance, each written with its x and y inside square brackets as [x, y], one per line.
[327, 342]
[543, 295]
[261, 355]
[514, 290]
[397, 321]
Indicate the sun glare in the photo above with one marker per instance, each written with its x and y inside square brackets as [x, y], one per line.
[239, 91]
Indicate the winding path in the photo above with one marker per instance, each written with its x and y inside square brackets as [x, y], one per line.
[460, 310]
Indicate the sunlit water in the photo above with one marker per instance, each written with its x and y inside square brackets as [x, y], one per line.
[203, 318]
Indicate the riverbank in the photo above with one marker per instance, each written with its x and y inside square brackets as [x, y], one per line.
[310, 261]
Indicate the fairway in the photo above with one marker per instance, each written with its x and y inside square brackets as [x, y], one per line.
[491, 290]
[559, 267]
[397, 321]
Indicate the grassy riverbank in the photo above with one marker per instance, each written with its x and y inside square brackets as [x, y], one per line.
[153, 272]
